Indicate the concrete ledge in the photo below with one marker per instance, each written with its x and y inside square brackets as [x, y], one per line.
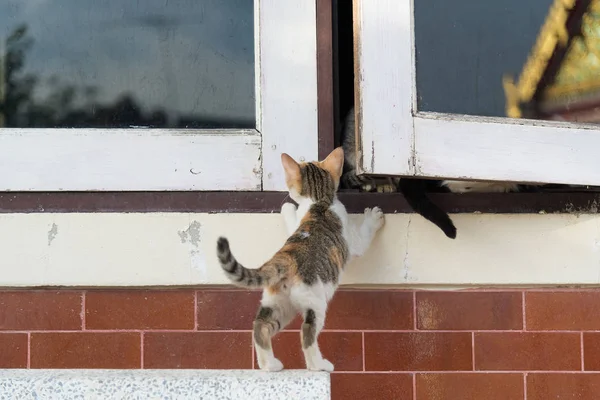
[163, 384]
[177, 249]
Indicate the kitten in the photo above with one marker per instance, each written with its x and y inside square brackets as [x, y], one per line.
[304, 274]
[414, 190]
[481, 187]
[500, 187]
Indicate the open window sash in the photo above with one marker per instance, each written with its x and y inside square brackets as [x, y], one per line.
[395, 139]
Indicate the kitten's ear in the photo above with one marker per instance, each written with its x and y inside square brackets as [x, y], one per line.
[291, 168]
[334, 163]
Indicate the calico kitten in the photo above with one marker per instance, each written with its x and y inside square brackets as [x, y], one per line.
[414, 190]
[304, 274]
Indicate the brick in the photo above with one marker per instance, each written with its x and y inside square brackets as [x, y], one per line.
[469, 310]
[227, 309]
[563, 386]
[562, 310]
[85, 350]
[591, 351]
[418, 351]
[371, 386]
[202, 350]
[139, 309]
[470, 386]
[40, 310]
[296, 324]
[541, 351]
[370, 309]
[216, 307]
[13, 350]
[343, 349]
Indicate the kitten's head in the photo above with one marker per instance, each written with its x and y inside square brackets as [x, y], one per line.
[317, 180]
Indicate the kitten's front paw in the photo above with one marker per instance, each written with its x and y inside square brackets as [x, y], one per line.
[367, 187]
[387, 188]
[375, 217]
[273, 365]
[322, 365]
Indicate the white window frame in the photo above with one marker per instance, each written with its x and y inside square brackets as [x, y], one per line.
[175, 159]
[395, 139]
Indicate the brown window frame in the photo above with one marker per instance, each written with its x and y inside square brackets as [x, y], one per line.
[268, 202]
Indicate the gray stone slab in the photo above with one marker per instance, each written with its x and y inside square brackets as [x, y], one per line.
[83, 384]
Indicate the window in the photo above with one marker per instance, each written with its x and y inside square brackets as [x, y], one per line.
[155, 95]
[437, 80]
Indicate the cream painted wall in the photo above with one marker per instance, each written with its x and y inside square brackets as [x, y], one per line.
[179, 249]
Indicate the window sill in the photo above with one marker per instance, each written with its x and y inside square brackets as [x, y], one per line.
[566, 202]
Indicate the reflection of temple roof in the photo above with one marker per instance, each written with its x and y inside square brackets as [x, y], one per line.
[563, 66]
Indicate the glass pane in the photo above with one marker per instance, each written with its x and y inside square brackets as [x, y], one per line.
[524, 59]
[124, 63]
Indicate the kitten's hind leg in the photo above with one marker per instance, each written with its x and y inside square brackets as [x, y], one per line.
[273, 315]
[314, 320]
[311, 301]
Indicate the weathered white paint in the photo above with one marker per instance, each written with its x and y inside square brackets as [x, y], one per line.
[132, 159]
[288, 85]
[179, 249]
[508, 150]
[448, 145]
[257, 66]
[160, 159]
[384, 78]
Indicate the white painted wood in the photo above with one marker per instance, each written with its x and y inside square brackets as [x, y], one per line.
[149, 249]
[506, 150]
[129, 159]
[288, 59]
[145, 159]
[384, 85]
[257, 66]
[453, 146]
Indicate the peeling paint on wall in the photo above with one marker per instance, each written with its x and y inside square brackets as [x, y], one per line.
[405, 264]
[192, 236]
[52, 233]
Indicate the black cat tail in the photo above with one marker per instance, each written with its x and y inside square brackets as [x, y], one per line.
[416, 196]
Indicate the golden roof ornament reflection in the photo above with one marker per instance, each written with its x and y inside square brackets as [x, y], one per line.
[563, 66]
[580, 69]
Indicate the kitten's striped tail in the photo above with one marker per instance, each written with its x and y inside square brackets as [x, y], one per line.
[239, 275]
[350, 180]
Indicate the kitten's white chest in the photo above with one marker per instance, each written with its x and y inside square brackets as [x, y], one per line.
[302, 209]
[340, 210]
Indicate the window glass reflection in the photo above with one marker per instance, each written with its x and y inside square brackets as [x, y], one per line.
[127, 63]
[535, 59]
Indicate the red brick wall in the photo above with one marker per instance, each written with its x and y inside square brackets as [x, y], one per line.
[385, 344]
